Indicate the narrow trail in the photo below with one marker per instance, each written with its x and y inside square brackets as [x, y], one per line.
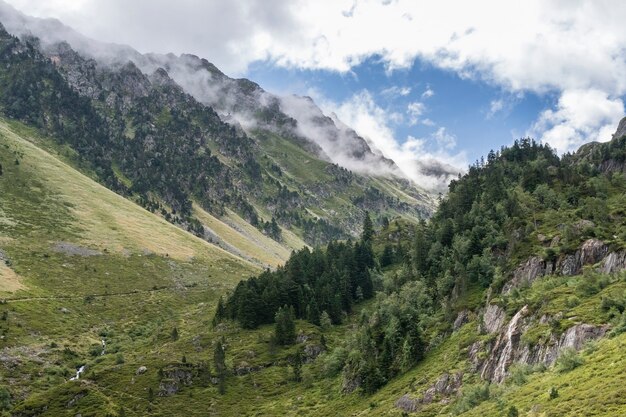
[176, 288]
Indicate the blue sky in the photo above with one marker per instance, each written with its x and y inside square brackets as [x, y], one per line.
[495, 70]
[462, 106]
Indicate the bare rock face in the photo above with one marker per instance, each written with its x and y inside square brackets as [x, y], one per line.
[175, 377]
[614, 262]
[461, 319]
[493, 318]
[503, 352]
[244, 368]
[527, 273]
[407, 404]
[509, 349]
[591, 252]
[445, 386]
[311, 352]
[575, 337]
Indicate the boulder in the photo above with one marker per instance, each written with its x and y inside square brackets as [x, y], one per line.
[141, 370]
[174, 377]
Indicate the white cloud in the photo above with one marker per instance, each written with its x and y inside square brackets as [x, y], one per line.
[391, 92]
[495, 106]
[569, 48]
[580, 115]
[415, 111]
[533, 45]
[444, 139]
[431, 169]
[428, 93]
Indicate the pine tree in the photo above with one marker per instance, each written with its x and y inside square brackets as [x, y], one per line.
[325, 321]
[285, 328]
[313, 313]
[174, 333]
[386, 258]
[297, 365]
[368, 228]
[220, 312]
[219, 361]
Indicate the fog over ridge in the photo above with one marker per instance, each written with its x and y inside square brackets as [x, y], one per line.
[238, 102]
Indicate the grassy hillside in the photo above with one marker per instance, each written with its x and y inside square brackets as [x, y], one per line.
[80, 265]
[90, 278]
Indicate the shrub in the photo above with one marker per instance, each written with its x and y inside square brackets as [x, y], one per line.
[334, 362]
[554, 393]
[572, 301]
[471, 397]
[568, 360]
[512, 412]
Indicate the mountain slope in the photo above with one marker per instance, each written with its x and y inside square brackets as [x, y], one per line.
[87, 266]
[316, 199]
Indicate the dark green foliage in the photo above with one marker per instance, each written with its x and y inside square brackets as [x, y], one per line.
[568, 360]
[219, 362]
[387, 257]
[285, 327]
[554, 393]
[220, 312]
[512, 412]
[471, 396]
[310, 282]
[296, 363]
[390, 338]
[5, 399]
[368, 228]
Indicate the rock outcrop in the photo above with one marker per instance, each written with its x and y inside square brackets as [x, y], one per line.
[591, 252]
[527, 273]
[175, 377]
[503, 353]
[509, 348]
[461, 319]
[614, 262]
[445, 386]
[493, 318]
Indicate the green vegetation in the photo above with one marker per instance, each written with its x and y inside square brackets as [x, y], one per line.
[109, 309]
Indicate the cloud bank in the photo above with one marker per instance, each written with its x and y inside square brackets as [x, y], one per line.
[432, 170]
[571, 49]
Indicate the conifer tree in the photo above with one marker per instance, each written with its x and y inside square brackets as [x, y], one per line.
[219, 361]
[285, 328]
[297, 365]
[368, 228]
